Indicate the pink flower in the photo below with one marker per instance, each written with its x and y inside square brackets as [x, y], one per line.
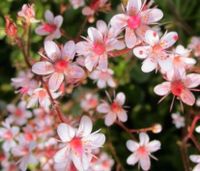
[154, 52]
[77, 3]
[103, 78]
[24, 150]
[195, 46]
[79, 144]
[136, 21]
[24, 83]
[142, 151]
[51, 28]
[41, 96]
[28, 13]
[195, 159]
[89, 102]
[100, 42]
[8, 135]
[94, 7]
[178, 120]
[178, 61]
[114, 110]
[180, 85]
[59, 65]
[19, 114]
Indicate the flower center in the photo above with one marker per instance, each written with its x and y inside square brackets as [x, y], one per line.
[104, 75]
[99, 48]
[142, 150]
[18, 112]
[134, 22]
[23, 90]
[76, 145]
[92, 102]
[42, 93]
[177, 87]
[8, 135]
[61, 65]
[50, 28]
[157, 48]
[115, 107]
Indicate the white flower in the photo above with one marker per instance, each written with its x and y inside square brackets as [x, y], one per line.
[79, 143]
[114, 110]
[178, 120]
[142, 151]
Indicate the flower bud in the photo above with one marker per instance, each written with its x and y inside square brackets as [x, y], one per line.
[156, 128]
[11, 28]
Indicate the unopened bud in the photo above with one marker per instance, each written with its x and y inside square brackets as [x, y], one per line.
[157, 128]
[11, 28]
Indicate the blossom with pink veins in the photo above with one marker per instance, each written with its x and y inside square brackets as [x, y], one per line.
[98, 44]
[195, 46]
[142, 151]
[8, 134]
[19, 114]
[180, 85]
[103, 78]
[89, 102]
[77, 3]
[28, 13]
[24, 150]
[178, 120]
[114, 110]
[94, 7]
[154, 52]
[136, 21]
[79, 144]
[195, 159]
[59, 65]
[50, 28]
[24, 83]
[41, 96]
[178, 61]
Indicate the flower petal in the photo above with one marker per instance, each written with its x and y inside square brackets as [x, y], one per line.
[52, 50]
[119, 21]
[55, 81]
[154, 146]
[85, 127]
[192, 80]
[145, 162]
[151, 16]
[141, 51]
[65, 132]
[49, 16]
[168, 40]
[132, 159]
[148, 65]
[144, 138]
[151, 37]
[120, 98]
[132, 145]
[43, 68]
[162, 89]
[110, 118]
[69, 50]
[103, 108]
[130, 38]
[187, 97]
[133, 7]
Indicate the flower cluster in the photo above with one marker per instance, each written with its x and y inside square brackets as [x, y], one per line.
[28, 133]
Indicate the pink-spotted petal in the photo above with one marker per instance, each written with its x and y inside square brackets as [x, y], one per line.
[65, 132]
[43, 68]
[130, 38]
[162, 89]
[151, 37]
[141, 51]
[168, 40]
[55, 81]
[187, 97]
